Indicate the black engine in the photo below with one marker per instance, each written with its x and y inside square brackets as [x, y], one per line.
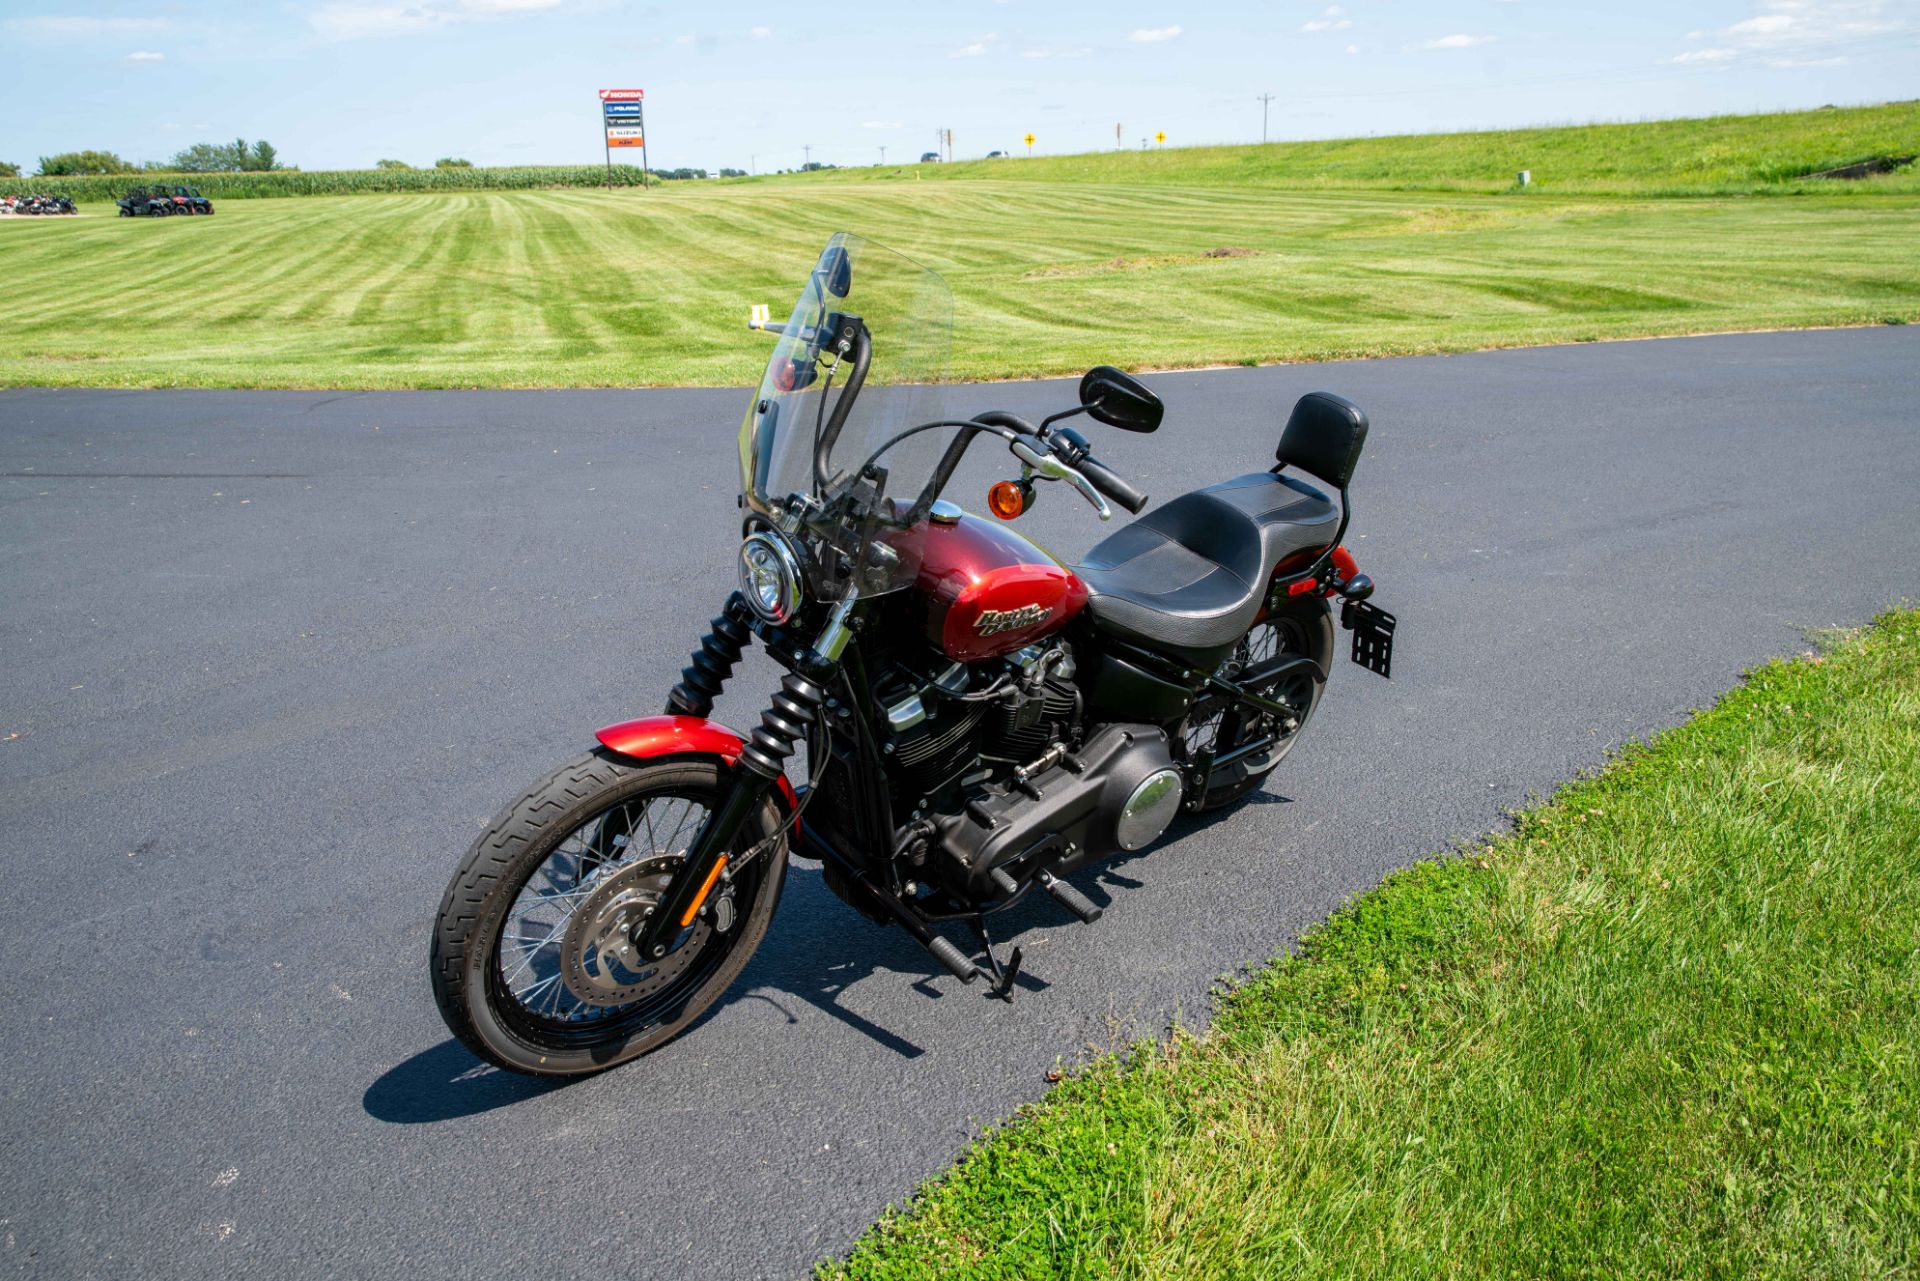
[992, 773]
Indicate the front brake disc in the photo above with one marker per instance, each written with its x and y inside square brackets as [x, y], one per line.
[598, 962]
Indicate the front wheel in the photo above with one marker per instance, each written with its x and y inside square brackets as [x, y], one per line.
[531, 963]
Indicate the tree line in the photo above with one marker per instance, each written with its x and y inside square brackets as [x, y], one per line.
[238, 156]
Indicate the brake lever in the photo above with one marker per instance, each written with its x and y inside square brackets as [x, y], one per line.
[1048, 467]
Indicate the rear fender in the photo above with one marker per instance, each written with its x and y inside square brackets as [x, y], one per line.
[652, 737]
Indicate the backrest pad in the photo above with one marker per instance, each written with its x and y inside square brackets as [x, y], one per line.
[1324, 436]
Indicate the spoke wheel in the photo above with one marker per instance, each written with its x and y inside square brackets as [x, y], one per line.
[1215, 724]
[533, 963]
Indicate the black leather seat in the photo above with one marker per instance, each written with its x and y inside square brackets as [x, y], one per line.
[1188, 578]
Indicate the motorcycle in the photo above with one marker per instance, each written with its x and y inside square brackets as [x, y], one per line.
[980, 720]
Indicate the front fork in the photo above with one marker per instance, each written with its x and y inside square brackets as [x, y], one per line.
[762, 760]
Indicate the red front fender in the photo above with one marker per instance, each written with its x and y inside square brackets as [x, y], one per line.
[653, 736]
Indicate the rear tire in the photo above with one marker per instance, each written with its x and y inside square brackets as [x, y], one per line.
[476, 961]
[1301, 625]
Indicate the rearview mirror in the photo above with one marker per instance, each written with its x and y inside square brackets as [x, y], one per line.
[836, 271]
[1119, 400]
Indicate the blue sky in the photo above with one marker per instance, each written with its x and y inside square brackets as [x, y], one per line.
[341, 83]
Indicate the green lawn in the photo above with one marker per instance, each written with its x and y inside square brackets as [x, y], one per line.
[577, 288]
[1669, 1026]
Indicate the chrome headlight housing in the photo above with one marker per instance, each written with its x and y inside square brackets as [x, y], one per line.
[770, 576]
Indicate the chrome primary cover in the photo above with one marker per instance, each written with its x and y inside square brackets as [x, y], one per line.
[1149, 809]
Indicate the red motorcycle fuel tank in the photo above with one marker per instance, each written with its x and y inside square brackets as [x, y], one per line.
[988, 591]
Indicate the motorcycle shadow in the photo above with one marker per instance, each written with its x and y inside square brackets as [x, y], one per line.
[817, 949]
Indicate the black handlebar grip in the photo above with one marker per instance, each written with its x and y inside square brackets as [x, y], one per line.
[1116, 487]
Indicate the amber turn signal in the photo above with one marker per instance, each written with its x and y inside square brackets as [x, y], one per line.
[1007, 499]
[706, 888]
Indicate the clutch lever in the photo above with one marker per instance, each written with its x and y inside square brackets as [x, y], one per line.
[1044, 464]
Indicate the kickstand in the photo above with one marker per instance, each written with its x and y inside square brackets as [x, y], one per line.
[1003, 975]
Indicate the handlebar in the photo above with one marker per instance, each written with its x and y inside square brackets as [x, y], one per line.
[1112, 484]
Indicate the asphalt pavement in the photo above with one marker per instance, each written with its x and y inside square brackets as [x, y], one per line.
[272, 659]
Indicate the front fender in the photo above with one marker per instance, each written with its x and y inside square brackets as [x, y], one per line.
[655, 736]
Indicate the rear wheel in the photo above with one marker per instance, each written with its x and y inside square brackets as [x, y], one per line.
[531, 960]
[1302, 625]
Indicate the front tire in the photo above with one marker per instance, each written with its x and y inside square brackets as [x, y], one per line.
[526, 961]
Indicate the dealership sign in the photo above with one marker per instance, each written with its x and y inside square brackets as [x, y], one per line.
[623, 122]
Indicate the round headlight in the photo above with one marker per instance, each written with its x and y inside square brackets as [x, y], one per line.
[769, 576]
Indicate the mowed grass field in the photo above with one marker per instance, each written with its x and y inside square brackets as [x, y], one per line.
[1296, 251]
[572, 288]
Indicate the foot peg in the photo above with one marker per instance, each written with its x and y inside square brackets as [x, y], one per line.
[956, 961]
[1068, 897]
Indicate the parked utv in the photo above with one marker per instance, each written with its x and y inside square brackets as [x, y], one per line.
[146, 202]
[195, 202]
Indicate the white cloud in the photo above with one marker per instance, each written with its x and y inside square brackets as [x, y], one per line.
[978, 47]
[1800, 33]
[76, 27]
[1353, 48]
[1460, 42]
[144, 55]
[1326, 24]
[761, 33]
[347, 20]
[1153, 35]
[1765, 25]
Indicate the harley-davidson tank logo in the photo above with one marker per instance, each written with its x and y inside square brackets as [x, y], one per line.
[993, 621]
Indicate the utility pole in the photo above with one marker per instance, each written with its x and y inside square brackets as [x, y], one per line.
[883, 155]
[806, 149]
[1265, 98]
[1117, 144]
[753, 164]
[949, 146]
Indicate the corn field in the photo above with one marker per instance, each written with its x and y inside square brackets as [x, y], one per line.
[345, 182]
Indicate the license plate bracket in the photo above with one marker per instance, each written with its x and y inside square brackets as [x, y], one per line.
[1372, 630]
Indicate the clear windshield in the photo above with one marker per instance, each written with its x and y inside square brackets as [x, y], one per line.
[822, 413]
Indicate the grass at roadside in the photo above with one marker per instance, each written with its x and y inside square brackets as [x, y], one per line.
[559, 288]
[1668, 1026]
